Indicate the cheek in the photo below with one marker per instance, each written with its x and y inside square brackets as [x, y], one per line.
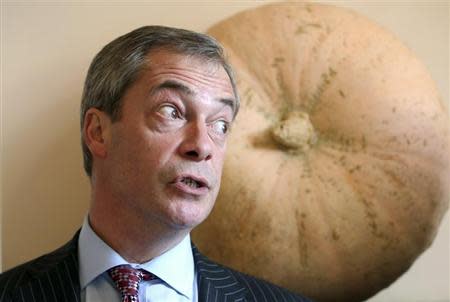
[220, 158]
[161, 150]
[133, 154]
[149, 146]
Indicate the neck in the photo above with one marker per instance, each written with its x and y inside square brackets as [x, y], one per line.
[136, 238]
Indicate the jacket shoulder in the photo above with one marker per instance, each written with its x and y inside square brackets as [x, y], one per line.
[261, 290]
[218, 282]
[22, 276]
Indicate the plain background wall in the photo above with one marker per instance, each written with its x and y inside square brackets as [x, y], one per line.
[46, 50]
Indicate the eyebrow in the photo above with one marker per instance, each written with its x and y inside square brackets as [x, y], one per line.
[177, 86]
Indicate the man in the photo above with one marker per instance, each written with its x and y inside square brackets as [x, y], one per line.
[157, 106]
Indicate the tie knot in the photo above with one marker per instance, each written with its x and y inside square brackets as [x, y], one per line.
[127, 281]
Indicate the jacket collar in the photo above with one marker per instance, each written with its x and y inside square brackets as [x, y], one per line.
[215, 282]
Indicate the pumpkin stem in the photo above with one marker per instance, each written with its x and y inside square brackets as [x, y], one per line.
[295, 131]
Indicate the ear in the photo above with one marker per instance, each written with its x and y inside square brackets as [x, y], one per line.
[97, 132]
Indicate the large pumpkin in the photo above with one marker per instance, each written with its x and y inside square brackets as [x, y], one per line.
[337, 174]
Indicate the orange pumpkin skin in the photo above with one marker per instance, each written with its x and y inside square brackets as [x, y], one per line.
[337, 173]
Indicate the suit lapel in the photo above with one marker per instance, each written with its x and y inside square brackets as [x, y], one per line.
[215, 282]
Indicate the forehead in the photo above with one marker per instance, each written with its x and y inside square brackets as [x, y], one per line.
[200, 73]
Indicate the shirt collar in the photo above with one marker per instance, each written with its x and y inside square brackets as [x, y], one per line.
[175, 267]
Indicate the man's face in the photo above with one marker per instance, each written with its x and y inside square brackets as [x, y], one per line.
[166, 151]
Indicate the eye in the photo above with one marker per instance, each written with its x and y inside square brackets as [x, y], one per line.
[221, 126]
[169, 112]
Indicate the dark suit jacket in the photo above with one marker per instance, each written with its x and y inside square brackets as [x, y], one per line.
[54, 278]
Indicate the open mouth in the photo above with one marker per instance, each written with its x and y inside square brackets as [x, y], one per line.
[192, 182]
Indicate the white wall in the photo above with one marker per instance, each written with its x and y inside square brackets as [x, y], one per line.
[46, 49]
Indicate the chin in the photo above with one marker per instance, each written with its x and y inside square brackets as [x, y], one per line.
[188, 215]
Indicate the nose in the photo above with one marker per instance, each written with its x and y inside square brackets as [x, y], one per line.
[196, 144]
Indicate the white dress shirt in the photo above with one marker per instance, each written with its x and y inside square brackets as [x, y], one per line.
[175, 270]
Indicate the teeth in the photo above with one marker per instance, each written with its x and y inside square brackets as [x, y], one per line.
[191, 183]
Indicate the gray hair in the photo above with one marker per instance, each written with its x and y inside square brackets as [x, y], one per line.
[118, 64]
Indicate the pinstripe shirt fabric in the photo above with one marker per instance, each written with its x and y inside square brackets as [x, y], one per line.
[54, 278]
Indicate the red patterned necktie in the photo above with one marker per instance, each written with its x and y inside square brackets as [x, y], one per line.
[127, 281]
